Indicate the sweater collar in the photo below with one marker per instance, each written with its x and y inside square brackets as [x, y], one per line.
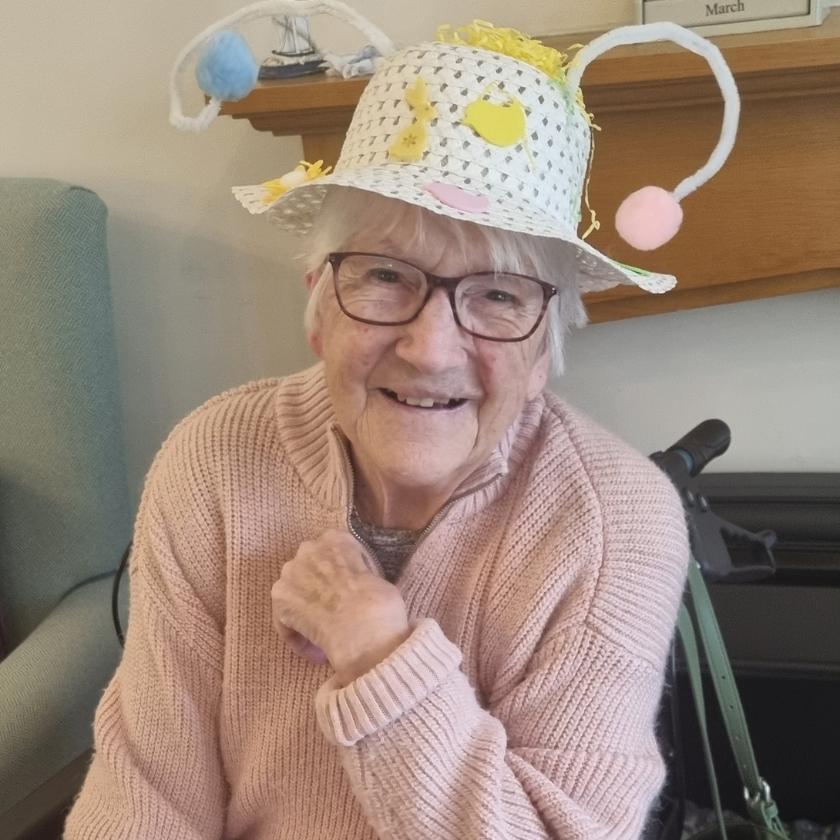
[309, 433]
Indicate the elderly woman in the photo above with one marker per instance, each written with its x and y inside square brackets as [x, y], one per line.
[408, 592]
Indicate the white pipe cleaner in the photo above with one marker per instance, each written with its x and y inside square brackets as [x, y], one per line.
[651, 216]
[268, 9]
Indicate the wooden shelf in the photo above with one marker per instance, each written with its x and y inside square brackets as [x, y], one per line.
[768, 224]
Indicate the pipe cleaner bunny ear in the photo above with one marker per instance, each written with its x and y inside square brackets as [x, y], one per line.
[226, 68]
[651, 216]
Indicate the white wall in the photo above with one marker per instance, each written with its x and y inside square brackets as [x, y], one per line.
[769, 368]
[206, 297]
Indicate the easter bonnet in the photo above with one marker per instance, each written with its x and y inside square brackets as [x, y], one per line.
[482, 125]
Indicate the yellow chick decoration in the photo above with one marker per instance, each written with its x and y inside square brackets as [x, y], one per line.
[501, 125]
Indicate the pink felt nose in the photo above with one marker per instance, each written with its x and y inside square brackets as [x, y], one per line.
[648, 218]
[453, 196]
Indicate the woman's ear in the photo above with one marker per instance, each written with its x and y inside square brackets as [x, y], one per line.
[311, 278]
[313, 333]
[314, 339]
[539, 374]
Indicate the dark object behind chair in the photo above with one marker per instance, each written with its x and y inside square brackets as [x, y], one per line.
[783, 637]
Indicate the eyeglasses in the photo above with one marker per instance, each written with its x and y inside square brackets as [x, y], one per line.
[381, 290]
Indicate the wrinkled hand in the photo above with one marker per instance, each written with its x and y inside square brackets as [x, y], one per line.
[329, 606]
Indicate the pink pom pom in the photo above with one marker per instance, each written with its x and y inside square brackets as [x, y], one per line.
[648, 218]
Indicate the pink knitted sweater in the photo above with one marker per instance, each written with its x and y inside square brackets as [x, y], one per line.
[543, 600]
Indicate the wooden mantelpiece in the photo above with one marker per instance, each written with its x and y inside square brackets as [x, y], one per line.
[768, 224]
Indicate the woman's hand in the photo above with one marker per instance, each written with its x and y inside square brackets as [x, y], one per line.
[329, 605]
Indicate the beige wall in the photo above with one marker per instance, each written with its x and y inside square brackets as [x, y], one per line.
[206, 297]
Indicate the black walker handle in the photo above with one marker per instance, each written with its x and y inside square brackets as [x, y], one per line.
[683, 461]
[686, 458]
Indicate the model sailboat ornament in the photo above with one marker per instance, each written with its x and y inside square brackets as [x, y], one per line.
[297, 55]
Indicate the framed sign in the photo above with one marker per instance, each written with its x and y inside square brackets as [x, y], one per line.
[719, 17]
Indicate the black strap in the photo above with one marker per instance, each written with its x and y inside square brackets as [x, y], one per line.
[115, 595]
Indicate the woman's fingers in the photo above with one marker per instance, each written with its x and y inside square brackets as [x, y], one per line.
[328, 605]
[297, 641]
[304, 648]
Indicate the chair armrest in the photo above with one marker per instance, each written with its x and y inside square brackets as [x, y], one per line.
[49, 688]
[41, 814]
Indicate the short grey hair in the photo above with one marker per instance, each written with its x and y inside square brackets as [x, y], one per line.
[347, 211]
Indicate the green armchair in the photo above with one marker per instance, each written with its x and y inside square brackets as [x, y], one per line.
[65, 517]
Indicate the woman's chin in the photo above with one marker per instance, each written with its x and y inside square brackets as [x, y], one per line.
[413, 455]
[420, 469]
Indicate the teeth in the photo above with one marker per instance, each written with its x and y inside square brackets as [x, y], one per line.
[424, 402]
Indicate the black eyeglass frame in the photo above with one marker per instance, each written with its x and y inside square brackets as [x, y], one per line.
[434, 281]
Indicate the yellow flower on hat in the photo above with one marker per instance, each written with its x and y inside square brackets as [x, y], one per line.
[304, 171]
[272, 190]
[410, 143]
[315, 170]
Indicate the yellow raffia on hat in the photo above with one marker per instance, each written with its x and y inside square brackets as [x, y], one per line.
[515, 44]
[594, 223]
[510, 42]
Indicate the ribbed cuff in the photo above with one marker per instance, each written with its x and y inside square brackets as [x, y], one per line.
[390, 689]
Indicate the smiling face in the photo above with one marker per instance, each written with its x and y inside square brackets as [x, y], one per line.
[420, 452]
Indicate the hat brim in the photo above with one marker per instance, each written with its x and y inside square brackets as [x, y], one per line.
[297, 211]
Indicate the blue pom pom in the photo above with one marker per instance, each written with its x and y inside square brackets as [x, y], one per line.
[227, 68]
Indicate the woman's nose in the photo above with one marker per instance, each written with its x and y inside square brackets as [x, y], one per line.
[433, 340]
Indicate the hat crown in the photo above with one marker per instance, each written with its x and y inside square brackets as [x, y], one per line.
[481, 100]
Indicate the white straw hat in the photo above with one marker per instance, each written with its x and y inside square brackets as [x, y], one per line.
[478, 135]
